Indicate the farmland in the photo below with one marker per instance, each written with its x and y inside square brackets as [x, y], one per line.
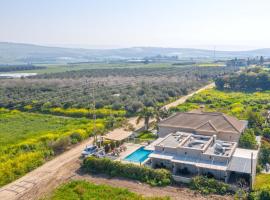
[233, 103]
[126, 89]
[27, 140]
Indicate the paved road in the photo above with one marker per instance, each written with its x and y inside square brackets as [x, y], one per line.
[63, 167]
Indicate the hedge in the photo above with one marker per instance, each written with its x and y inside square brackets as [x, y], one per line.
[209, 185]
[154, 177]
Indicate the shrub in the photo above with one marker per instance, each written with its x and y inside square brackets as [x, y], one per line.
[60, 145]
[262, 194]
[248, 140]
[209, 185]
[154, 177]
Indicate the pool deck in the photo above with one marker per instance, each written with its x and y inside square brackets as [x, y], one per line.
[131, 147]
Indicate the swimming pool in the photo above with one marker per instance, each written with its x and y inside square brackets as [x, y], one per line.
[138, 156]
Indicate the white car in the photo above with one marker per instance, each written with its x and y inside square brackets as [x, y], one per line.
[89, 150]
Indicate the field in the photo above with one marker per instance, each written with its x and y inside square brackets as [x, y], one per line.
[126, 89]
[27, 140]
[233, 103]
[57, 68]
[83, 190]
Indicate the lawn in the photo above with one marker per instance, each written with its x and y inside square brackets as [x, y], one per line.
[82, 190]
[27, 140]
[261, 181]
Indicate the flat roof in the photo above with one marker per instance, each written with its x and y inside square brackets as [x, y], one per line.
[118, 134]
[196, 141]
[241, 161]
[174, 140]
[221, 148]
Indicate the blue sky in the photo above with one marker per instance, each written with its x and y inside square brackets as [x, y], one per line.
[226, 24]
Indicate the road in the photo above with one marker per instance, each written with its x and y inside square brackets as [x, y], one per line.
[62, 168]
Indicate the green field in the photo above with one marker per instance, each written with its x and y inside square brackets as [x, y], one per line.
[82, 190]
[56, 68]
[233, 103]
[27, 140]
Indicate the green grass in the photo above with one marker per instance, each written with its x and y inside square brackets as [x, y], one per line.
[262, 181]
[211, 64]
[82, 190]
[18, 126]
[146, 135]
[233, 103]
[55, 68]
[27, 140]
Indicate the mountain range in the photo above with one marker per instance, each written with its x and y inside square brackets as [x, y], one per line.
[19, 53]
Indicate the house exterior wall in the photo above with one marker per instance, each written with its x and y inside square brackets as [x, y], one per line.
[192, 169]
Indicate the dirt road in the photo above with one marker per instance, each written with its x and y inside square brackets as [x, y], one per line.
[184, 98]
[65, 166]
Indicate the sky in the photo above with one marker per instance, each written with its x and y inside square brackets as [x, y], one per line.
[220, 24]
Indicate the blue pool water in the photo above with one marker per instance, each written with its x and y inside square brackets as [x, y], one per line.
[138, 156]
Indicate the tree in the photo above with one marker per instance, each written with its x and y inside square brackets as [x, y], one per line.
[220, 83]
[265, 152]
[146, 113]
[248, 140]
[261, 60]
[255, 119]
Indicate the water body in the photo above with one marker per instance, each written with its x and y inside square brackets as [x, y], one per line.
[16, 75]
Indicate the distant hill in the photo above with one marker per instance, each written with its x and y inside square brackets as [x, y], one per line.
[11, 53]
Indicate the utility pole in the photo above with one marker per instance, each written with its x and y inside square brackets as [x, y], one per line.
[251, 169]
[94, 112]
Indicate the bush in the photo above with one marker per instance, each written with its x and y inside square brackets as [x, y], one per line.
[262, 194]
[60, 145]
[154, 177]
[209, 185]
[248, 140]
[75, 138]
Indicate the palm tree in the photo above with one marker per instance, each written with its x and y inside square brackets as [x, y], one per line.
[160, 113]
[146, 113]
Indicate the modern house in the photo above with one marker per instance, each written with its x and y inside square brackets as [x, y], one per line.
[204, 144]
[225, 127]
[191, 154]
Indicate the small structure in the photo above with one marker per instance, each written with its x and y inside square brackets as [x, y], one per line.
[118, 135]
[225, 127]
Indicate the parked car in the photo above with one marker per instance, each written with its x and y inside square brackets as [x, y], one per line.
[89, 150]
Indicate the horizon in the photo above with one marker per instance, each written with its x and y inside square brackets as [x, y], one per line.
[104, 47]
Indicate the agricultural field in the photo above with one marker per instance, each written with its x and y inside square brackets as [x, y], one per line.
[82, 190]
[124, 89]
[28, 139]
[58, 68]
[237, 104]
